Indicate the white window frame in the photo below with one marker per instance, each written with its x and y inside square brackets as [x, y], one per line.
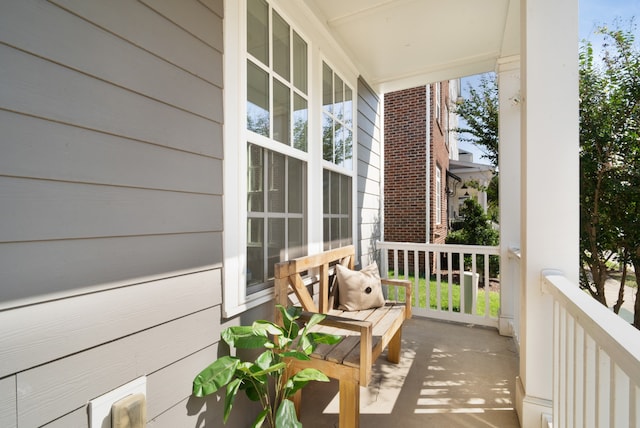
[235, 298]
[438, 195]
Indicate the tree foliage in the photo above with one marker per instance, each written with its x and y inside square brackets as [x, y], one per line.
[609, 159]
[480, 113]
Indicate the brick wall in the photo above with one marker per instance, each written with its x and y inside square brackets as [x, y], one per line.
[405, 165]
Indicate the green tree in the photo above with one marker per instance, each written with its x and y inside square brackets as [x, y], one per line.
[480, 114]
[476, 229]
[609, 160]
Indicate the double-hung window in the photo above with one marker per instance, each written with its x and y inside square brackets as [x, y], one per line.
[337, 152]
[276, 123]
[289, 158]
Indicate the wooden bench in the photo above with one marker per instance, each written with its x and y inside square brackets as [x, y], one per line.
[365, 333]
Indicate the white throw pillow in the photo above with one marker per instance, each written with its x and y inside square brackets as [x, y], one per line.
[359, 290]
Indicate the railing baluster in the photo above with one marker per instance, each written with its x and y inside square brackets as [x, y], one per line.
[443, 307]
[416, 277]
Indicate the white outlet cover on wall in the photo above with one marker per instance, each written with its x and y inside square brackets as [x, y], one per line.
[100, 408]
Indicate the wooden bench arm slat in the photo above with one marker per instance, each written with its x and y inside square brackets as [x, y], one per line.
[408, 286]
[343, 323]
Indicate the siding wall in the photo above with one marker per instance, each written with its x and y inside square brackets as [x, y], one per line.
[111, 206]
[369, 172]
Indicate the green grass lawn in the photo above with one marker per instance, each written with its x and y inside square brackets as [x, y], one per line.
[494, 297]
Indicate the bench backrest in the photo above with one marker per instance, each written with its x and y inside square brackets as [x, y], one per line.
[290, 274]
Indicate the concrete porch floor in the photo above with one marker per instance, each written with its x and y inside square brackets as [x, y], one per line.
[450, 375]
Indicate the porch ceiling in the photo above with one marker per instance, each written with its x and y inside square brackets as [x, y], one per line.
[405, 43]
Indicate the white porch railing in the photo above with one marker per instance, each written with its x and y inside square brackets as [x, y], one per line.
[596, 360]
[449, 294]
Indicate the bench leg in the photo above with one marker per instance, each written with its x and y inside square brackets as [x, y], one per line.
[349, 404]
[394, 347]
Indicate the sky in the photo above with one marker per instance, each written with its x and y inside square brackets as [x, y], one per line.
[592, 15]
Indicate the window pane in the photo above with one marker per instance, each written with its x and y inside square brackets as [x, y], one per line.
[335, 232]
[347, 141]
[327, 88]
[327, 137]
[348, 107]
[296, 246]
[258, 30]
[255, 191]
[276, 244]
[345, 194]
[276, 182]
[255, 251]
[345, 231]
[338, 97]
[326, 191]
[338, 150]
[335, 193]
[327, 233]
[297, 186]
[281, 112]
[281, 46]
[257, 100]
[299, 63]
[300, 122]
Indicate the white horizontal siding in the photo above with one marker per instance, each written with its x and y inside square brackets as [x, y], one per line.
[192, 16]
[35, 334]
[105, 56]
[172, 384]
[47, 210]
[215, 6]
[8, 402]
[49, 150]
[37, 271]
[54, 389]
[41, 88]
[75, 419]
[133, 21]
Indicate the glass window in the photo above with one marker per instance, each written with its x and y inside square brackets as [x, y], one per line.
[258, 30]
[277, 105]
[281, 47]
[337, 119]
[299, 63]
[336, 210]
[438, 195]
[277, 233]
[257, 100]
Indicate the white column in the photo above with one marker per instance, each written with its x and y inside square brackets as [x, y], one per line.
[508, 74]
[550, 184]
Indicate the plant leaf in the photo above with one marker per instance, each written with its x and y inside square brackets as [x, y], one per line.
[216, 375]
[260, 419]
[243, 337]
[328, 339]
[289, 317]
[271, 369]
[232, 392]
[297, 355]
[302, 378]
[286, 415]
[265, 359]
[315, 319]
[267, 327]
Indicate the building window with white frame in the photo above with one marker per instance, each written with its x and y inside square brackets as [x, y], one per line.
[437, 102]
[438, 195]
[337, 149]
[273, 164]
[277, 112]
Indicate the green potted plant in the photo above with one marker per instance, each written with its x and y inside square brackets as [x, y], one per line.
[265, 378]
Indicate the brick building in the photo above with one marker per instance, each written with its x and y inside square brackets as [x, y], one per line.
[417, 148]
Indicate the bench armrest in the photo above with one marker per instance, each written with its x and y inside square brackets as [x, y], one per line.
[408, 286]
[365, 328]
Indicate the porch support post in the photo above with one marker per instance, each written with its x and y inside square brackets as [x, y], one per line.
[550, 186]
[508, 74]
